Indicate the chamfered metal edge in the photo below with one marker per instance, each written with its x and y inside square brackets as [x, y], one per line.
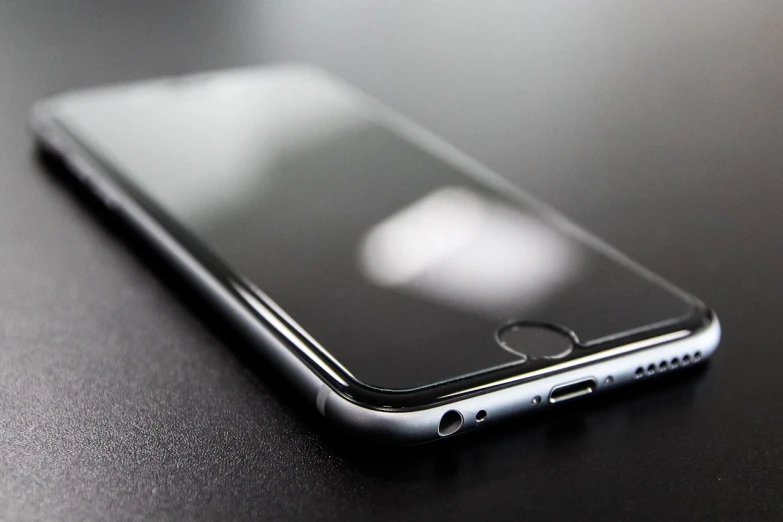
[412, 427]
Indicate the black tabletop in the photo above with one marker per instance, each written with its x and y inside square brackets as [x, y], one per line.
[659, 126]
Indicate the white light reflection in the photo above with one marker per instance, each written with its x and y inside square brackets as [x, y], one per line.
[463, 249]
[221, 136]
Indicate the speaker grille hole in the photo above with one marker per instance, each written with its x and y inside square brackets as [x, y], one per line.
[676, 362]
[481, 415]
[450, 423]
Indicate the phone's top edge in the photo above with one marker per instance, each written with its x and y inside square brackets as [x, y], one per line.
[275, 68]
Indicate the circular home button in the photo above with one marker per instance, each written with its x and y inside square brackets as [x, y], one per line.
[534, 341]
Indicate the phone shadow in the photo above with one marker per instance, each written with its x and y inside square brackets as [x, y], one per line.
[478, 455]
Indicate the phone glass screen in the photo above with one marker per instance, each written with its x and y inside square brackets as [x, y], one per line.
[392, 258]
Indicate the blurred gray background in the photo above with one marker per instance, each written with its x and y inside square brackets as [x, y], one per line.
[656, 125]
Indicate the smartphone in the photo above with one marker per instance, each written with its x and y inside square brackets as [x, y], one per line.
[408, 292]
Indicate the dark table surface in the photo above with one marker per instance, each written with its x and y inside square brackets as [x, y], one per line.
[657, 125]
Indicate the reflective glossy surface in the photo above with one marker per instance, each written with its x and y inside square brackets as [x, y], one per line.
[400, 263]
[655, 125]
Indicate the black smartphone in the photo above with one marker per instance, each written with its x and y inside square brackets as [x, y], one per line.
[407, 291]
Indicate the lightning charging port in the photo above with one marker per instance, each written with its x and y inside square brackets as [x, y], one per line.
[572, 390]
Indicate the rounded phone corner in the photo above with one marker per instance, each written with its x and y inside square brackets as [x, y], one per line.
[713, 331]
[386, 427]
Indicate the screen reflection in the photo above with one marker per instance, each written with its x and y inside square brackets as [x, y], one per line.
[459, 248]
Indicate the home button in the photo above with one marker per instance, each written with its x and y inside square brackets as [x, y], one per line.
[534, 341]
